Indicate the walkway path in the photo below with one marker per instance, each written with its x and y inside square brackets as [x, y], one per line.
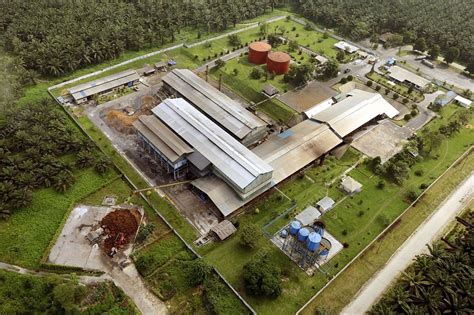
[414, 245]
[156, 52]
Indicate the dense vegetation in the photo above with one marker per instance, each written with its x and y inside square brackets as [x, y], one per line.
[57, 37]
[438, 22]
[39, 147]
[437, 283]
[25, 294]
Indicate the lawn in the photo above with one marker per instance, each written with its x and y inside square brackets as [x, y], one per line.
[356, 220]
[27, 233]
[313, 40]
[400, 89]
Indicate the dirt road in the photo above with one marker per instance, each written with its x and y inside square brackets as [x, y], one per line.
[414, 245]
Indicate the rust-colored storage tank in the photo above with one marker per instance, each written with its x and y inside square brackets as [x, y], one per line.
[258, 52]
[278, 62]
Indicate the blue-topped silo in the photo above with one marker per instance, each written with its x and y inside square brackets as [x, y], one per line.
[295, 226]
[325, 247]
[313, 241]
[303, 234]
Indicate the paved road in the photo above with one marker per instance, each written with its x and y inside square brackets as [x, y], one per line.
[429, 230]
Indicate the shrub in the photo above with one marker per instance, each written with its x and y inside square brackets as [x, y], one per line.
[350, 77]
[411, 195]
[262, 278]
[145, 231]
[196, 271]
[413, 112]
[250, 235]
[378, 87]
[235, 71]
[256, 73]
[407, 117]
[344, 232]
[423, 186]
[380, 185]
[419, 172]
[369, 83]
[405, 100]
[360, 213]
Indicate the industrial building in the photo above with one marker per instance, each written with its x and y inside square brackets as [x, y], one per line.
[278, 62]
[344, 46]
[215, 105]
[406, 77]
[355, 109]
[228, 159]
[163, 144]
[258, 52]
[84, 92]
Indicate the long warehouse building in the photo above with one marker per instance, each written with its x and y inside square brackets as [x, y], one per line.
[224, 111]
[239, 167]
[355, 110]
[84, 92]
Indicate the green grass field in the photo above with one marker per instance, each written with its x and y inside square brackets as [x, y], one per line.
[380, 207]
[28, 232]
[400, 89]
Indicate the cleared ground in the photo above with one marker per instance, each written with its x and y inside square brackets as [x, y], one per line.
[384, 140]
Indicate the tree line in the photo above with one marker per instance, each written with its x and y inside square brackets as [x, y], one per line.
[39, 148]
[56, 37]
[447, 24]
[437, 283]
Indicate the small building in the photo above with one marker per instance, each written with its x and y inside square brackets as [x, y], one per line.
[406, 77]
[444, 99]
[464, 102]
[160, 66]
[308, 216]
[350, 185]
[362, 54]
[321, 60]
[269, 90]
[223, 229]
[391, 61]
[84, 92]
[148, 70]
[325, 204]
[344, 46]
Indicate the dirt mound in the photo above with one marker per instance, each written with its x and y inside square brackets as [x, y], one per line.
[119, 221]
[120, 121]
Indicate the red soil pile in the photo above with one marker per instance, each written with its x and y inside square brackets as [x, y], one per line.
[119, 221]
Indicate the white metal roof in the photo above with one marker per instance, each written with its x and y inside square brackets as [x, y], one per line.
[350, 185]
[103, 84]
[225, 111]
[326, 203]
[463, 101]
[355, 110]
[402, 75]
[319, 107]
[308, 215]
[232, 159]
[346, 47]
[286, 153]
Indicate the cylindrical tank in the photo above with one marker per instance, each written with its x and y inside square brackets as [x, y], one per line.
[258, 52]
[303, 234]
[295, 226]
[284, 233]
[278, 62]
[325, 247]
[313, 241]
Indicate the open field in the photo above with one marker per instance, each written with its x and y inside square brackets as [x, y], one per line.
[28, 232]
[341, 291]
[355, 221]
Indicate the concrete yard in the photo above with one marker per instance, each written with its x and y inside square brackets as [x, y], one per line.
[385, 140]
[72, 248]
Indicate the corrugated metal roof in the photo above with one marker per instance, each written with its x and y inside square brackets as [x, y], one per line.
[224, 229]
[162, 138]
[216, 105]
[402, 75]
[346, 47]
[241, 166]
[198, 160]
[463, 101]
[307, 141]
[350, 185]
[103, 84]
[319, 107]
[326, 203]
[358, 108]
[308, 215]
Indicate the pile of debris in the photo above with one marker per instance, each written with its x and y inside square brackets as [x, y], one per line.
[120, 227]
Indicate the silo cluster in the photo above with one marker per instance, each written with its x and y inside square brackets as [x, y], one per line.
[277, 62]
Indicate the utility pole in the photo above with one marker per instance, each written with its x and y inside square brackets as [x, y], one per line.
[207, 73]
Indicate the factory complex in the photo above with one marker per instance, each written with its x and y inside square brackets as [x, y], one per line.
[228, 150]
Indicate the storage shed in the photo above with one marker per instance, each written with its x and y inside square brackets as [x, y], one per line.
[350, 185]
[224, 229]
